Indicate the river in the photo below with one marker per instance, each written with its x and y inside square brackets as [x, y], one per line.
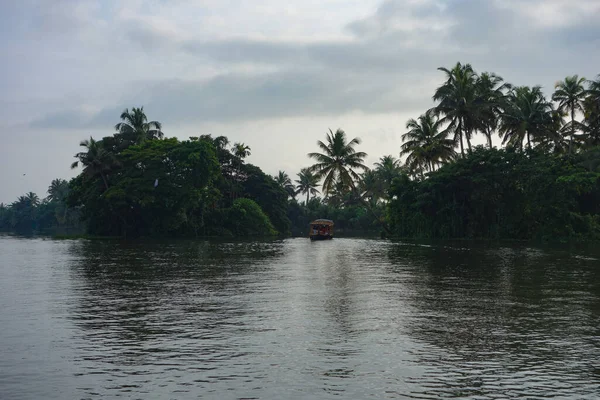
[341, 319]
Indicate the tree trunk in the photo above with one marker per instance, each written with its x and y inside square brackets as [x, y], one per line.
[528, 141]
[489, 138]
[468, 140]
[381, 221]
[572, 130]
[460, 135]
[104, 180]
[307, 194]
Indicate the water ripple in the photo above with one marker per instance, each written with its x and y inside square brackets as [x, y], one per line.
[348, 318]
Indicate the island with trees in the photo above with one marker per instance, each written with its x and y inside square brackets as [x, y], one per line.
[542, 181]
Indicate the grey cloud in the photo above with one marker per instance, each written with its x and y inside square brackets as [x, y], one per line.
[243, 50]
[147, 38]
[239, 97]
[384, 70]
[66, 119]
[388, 11]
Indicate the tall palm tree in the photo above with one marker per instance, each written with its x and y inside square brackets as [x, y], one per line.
[591, 122]
[240, 150]
[527, 115]
[307, 183]
[96, 160]
[426, 144]
[371, 186]
[570, 95]
[457, 102]
[32, 199]
[24, 212]
[221, 142]
[58, 190]
[490, 97]
[338, 161]
[135, 126]
[388, 167]
[285, 182]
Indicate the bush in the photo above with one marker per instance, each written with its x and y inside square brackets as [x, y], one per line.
[246, 218]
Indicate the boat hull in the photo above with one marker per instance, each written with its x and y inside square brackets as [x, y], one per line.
[321, 237]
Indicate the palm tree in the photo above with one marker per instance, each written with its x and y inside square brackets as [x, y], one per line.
[338, 161]
[286, 183]
[490, 98]
[388, 168]
[457, 102]
[425, 144]
[135, 126]
[32, 199]
[527, 115]
[221, 142]
[591, 121]
[570, 95]
[371, 186]
[240, 150]
[96, 160]
[58, 190]
[307, 183]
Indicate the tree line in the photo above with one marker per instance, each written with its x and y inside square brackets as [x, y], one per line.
[542, 181]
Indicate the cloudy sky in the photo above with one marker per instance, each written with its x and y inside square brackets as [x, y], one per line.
[272, 74]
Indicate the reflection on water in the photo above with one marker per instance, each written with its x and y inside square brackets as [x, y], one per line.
[347, 318]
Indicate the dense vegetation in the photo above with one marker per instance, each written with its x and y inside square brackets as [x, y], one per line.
[502, 194]
[543, 183]
[30, 214]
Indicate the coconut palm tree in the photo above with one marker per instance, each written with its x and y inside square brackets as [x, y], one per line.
[527, 115]
[338, 161]
[32, 199]
[388, 167]
[457, 102]
[285, 182]
[96, 160]
[426, 144]
[307, 183]
[58, 190]
[591, 121]
[371, 187]
[136, 128]
[570, 95]
[490, 97]
[240, 150]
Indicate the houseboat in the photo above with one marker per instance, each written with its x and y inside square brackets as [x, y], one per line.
[321, 229]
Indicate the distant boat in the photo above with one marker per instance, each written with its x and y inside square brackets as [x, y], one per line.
[321, 229]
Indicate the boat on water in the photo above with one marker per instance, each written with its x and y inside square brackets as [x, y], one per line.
[321, 229]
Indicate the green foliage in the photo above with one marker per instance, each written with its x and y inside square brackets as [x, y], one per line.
[338, 162]
[500, 194]
[29, 215]
[135, 183]
[246, 218]
[426, 144]
[269, 195]
[527, 117]
[163, 187]
[307, 184]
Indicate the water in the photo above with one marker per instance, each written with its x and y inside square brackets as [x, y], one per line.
[341, 319]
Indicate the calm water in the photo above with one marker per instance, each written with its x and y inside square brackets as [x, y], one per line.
[343, 319]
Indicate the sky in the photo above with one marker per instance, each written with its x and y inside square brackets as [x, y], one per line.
[275, 75]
